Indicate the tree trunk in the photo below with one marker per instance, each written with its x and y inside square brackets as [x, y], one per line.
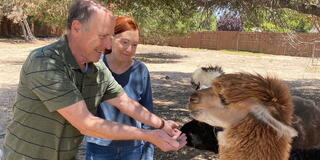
[31, 37]
[316, 23]
[25, 36]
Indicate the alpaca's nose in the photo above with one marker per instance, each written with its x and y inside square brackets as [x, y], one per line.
[194, 98]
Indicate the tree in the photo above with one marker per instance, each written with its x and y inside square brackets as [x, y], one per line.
[264, 15]
[166, 18]
[17, 11]
[303, 6]
[52, 12]
[316, 22]
[160, 19]
[230, 22]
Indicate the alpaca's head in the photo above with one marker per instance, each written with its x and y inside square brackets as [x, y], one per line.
[202, 77]
[233, 97]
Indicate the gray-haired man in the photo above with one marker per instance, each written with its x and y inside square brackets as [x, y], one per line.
[62, 84]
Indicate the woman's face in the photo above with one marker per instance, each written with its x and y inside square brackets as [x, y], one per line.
[124, 44]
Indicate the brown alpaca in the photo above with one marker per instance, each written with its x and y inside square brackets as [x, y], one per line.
[255, 113]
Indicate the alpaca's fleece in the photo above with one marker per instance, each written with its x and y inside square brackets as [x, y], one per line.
[255, 111]
[202, 77]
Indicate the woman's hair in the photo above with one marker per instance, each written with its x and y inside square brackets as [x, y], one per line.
[124, 24]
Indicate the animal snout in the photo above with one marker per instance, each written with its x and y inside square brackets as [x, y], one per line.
[194, 98]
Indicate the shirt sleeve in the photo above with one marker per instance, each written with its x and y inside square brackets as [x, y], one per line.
[49, 81]
[146, 97]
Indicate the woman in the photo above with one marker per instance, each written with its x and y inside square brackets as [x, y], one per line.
[134, 77]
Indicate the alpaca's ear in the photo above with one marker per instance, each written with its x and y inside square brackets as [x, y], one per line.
[263, 114]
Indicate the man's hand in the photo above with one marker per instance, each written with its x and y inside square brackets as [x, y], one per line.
[170, 127]
[165, 142]
[181, 138]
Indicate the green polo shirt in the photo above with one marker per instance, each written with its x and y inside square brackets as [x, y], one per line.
[50, 79]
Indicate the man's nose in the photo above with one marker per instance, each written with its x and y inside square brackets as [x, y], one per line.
[107, 43]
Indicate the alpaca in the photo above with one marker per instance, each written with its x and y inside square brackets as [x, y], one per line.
[199, 134]
[255, 112]
[305, 146]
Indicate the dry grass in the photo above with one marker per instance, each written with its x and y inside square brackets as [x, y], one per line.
[170, 69]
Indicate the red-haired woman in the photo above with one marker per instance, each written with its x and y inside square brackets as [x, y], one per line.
[134, 77]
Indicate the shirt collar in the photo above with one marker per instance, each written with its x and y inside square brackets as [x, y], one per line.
[69, 57]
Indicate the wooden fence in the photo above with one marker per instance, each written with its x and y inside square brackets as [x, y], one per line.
[305, 44]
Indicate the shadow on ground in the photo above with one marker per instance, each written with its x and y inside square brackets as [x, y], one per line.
[12, 40]
[8, 95]
[171, 91]
[158, 57]
[8, 62]
[7, 98]
[306, 88]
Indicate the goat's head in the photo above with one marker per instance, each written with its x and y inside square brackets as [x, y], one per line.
[203, 77]
[232, 97]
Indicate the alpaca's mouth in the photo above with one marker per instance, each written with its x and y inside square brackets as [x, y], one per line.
[195, 113]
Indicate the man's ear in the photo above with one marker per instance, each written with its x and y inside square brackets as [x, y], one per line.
[76, 26]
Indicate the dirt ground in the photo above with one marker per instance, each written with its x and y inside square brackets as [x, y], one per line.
[171, 69]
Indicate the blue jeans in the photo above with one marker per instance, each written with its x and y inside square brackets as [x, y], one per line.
[98, 152]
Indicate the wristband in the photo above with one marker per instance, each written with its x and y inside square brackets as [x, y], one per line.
[162, 124]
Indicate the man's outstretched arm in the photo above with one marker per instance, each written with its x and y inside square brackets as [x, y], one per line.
[79, 116]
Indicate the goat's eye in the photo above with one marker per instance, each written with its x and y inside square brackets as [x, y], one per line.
[223, 100]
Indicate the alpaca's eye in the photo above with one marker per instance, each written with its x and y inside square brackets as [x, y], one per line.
[223, 100]
[195, 86]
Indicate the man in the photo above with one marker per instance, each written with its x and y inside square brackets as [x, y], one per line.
[58, 87]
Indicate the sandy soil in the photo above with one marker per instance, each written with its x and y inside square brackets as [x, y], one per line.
[171, 69]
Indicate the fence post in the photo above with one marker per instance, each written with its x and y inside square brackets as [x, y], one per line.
[237, 45]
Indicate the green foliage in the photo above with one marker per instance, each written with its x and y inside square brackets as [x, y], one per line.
[161, 19]
[52, 12]
[280, 20]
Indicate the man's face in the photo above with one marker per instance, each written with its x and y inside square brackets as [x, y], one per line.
[96, 35]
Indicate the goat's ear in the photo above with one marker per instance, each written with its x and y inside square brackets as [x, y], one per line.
[261, 113]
